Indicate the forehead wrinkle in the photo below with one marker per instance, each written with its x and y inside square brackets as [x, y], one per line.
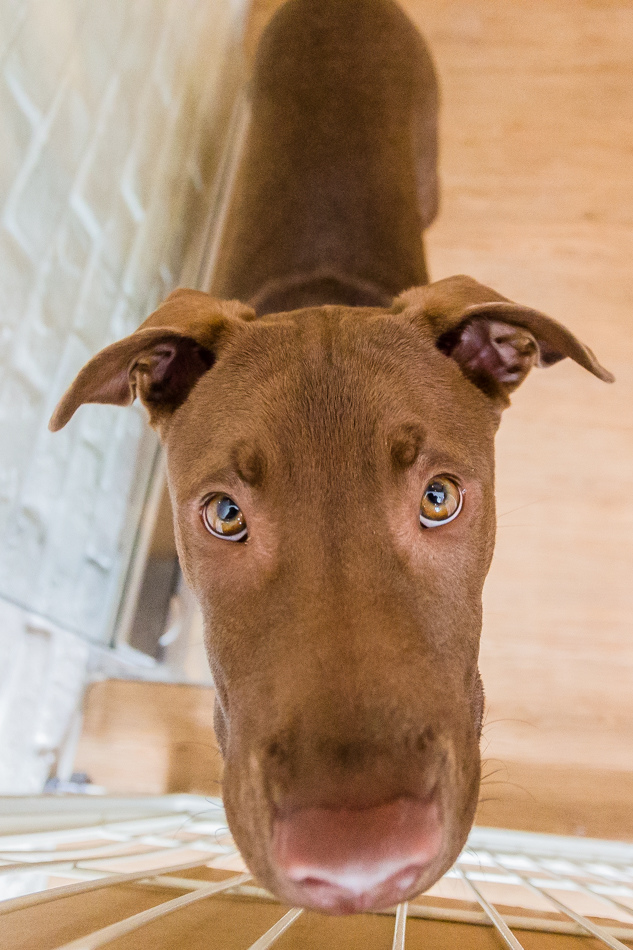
[335, 413]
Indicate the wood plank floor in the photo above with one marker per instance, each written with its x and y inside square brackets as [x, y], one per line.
[537, 138]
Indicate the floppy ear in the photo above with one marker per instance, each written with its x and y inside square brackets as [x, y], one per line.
[161, 362]
[495, 342]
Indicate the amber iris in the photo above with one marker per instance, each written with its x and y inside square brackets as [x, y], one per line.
[223, 518]
[441, 502]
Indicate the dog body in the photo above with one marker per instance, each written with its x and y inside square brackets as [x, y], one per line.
[314, 424]
[339, 173]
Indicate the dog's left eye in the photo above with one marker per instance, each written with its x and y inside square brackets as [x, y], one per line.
[223, 518]
[442, 502]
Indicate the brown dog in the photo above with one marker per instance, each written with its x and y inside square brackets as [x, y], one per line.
[347, 448]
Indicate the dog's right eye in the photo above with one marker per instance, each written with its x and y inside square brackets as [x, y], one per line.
[442, 502]
[223, 518]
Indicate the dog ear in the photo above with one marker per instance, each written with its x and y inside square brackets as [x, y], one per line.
[161, 362]
[495, 342]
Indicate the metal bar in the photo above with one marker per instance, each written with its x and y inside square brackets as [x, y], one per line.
[588, 889]
[595, 929]
[62, 863]
[24, 858]
[514, 921]
[121, 830]
[502, 928]
[178, 883]
[605, 897]
[400, 927]
[532, 843]
[69, 890]
[29, 866]
[275, 932]
[584, 922]
[100, 937]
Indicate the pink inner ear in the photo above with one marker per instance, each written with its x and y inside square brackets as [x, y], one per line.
[492, 350]
[166, 374]
[155, 370]
[161, 366]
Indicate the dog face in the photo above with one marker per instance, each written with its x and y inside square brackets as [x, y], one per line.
[332, 477]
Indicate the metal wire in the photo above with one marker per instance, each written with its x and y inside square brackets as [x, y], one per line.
[268, 939]
[587, 889]
[66, 863]
[100, 937]
[583, 922]
[580, 919]
[83, 887]
[400, 927]
[497, 920]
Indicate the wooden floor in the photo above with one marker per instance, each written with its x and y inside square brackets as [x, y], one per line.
[537, 186]
[537, 138]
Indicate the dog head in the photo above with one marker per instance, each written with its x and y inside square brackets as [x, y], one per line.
[332, 476]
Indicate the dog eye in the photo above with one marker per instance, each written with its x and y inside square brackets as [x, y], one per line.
[223, 518]
[442, 502]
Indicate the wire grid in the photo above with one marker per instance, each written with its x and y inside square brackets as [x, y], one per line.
[54, 847]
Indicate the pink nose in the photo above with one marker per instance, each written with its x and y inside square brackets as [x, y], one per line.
[351, 859]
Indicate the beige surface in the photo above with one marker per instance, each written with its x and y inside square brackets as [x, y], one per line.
[149, 738]
[537, 137]
[562, 800]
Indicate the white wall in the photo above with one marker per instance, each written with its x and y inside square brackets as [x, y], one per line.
[112, 117]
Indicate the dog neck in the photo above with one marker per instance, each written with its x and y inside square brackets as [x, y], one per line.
[318, 288]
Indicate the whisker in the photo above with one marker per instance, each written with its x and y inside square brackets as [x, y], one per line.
[528, 504]
[489, 775]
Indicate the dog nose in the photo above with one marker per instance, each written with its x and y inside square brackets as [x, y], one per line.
[348, 860]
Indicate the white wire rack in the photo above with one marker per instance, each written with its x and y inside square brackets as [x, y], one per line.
[52, 848]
